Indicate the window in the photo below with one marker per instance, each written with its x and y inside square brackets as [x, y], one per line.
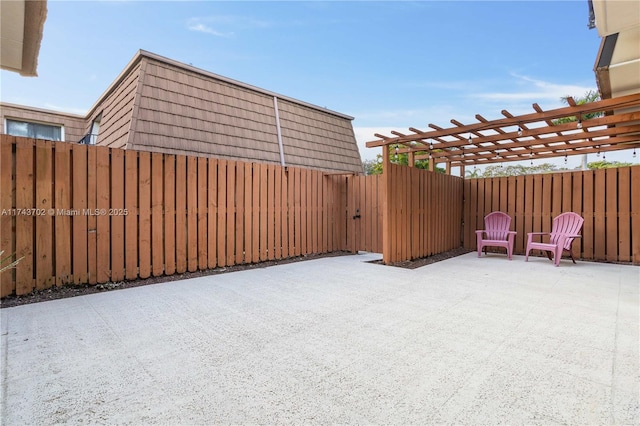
[34, 130]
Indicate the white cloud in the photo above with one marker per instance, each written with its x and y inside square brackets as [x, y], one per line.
[225, 25]
[202, 28]
[534, 90]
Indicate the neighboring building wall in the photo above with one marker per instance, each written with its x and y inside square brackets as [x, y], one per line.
[73, 124]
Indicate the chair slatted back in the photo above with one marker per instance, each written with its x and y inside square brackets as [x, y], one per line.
[497, 225]
[568, 223]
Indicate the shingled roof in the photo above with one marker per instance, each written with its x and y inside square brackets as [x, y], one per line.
[161, 105]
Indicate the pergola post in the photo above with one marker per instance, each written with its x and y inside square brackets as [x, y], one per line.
[411, 159]
[431, 164]
[461, 170]
[448, 167]
[386, 205]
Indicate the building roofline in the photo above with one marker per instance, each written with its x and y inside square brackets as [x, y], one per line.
[43, 110]
[145, 54]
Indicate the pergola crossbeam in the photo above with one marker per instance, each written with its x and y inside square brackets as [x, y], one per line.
[537, 135]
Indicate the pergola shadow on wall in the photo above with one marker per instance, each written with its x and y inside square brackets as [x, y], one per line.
[609, 200]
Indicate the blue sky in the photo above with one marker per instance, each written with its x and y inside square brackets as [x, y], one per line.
[391, 65]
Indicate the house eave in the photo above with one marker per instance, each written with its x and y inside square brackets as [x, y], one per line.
[21, 35]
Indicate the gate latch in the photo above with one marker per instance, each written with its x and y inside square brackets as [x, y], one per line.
[357, 215]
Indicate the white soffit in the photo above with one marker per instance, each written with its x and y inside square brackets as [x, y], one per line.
[11, 34]
[624, 70]
[616, 16]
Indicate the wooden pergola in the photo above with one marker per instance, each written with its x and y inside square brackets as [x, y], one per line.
[524, 137]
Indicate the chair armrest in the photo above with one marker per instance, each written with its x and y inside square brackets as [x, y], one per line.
[538, 233]
[480, 231]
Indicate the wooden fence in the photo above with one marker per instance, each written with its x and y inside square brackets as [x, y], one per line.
[608, 200]
[423, 213]
[84, 214]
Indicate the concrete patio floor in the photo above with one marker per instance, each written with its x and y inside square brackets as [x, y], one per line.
[336, 340]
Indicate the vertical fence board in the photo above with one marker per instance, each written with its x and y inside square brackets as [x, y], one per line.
[169, 214]
[92, 223]
[547, 202]
[635, 214]
[222, 212]
[181, 214]
[192, 214]
[284, 208]
[326, 213]
[44, 248]
[599, 213]
[255, 213]
[115, 213]
[62, 191]
[587, 214]
[470, 241]
[144, 214]
[248, 213]
[264, 247]
[576, 206]
[212, 216]
[611, 213]
[231, 212]
[297, 205]
[103, 228]
[240, 212]
[567, 185]
[131, 219]
[24, 222]
[270, 211]
[304, 210]
[556, 203]
[537, 223]
[79, 218]
[7, 219]
[624, 219]
[278, 213]
[521, 236]
[314, 212]
[203, 201]
[157, 214]
[291, 233]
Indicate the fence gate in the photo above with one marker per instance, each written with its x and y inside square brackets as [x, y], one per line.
[364, 213]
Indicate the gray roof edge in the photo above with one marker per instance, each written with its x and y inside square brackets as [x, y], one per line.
[237, 83]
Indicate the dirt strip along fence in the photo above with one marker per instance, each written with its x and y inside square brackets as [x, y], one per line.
[607, 199]
[82, 214]
[424, 213]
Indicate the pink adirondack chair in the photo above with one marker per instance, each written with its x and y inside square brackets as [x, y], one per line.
[496, 234]
[565, 229]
